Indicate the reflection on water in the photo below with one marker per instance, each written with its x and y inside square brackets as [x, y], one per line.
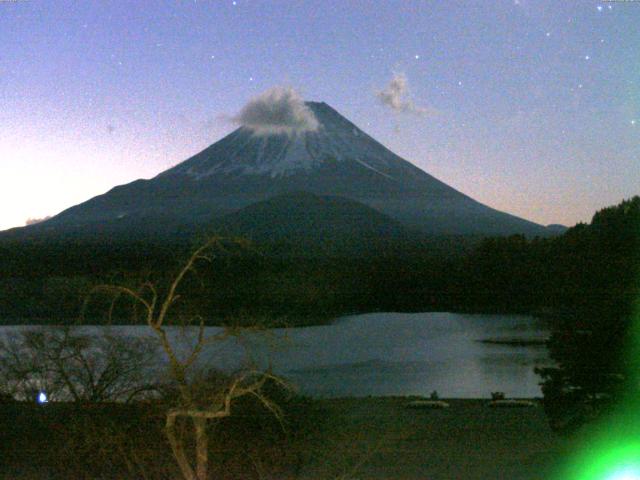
[390, 354]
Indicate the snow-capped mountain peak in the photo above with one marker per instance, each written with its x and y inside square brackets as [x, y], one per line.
[334, 158]
[244, 152]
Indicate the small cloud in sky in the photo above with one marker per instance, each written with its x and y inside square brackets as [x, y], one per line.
[396, 96]
[276, 111]
[33, 221]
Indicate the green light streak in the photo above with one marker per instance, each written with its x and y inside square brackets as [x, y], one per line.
[610, 450]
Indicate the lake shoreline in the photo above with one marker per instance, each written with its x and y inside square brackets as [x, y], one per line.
[269, 320]
[275, 322]
[515, 342]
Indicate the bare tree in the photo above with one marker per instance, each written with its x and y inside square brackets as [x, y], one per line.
[194, 403]
[68, 365]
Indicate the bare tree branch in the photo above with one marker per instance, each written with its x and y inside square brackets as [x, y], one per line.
[198, 407]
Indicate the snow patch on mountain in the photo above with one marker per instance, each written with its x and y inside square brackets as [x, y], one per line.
[284, 154]
[278, 155]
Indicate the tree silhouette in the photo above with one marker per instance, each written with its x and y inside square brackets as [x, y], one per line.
[197, 401]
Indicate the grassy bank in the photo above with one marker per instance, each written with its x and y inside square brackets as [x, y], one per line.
[378, 438]
[364, 438]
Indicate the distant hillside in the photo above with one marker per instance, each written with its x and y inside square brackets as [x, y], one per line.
[556, 229]
[317, 225]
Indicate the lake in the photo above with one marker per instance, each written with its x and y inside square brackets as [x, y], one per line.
[389, 354]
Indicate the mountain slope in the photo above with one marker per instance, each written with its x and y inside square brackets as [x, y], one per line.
[304, 222]
[243, 168]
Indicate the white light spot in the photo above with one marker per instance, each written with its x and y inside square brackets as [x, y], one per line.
[587, 57]
[599, 7]
[633, 122]
[626, 474]
[417, 57]
[548, 34]
[579, 85]
[460, 83]
[42, 397]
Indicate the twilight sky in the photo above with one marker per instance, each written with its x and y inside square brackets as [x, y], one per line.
[529, 106]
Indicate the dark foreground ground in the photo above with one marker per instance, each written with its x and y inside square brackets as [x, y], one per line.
[368, 438]
[377, 438]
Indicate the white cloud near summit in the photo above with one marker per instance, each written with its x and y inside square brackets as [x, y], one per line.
[395, 96]
[276, 111]
[33, 221]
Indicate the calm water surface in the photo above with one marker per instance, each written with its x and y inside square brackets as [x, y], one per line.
[388, 354]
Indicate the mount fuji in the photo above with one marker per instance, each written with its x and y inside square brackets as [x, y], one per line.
[336, 159]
